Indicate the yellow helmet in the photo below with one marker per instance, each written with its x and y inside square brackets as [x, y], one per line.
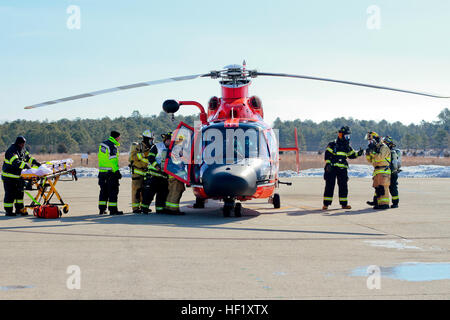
[371, 135]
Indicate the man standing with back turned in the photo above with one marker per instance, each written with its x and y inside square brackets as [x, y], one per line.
[109, 174]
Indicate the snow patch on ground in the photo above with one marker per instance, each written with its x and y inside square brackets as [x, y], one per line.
[393, 244]
[356, 170]
[365, 171]
[84, 172]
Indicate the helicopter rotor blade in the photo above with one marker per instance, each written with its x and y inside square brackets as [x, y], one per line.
[349, 83]
[126, 87]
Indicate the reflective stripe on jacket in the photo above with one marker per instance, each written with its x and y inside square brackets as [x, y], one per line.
[139, 162]
[337, 153]
[157, 157]
[15, 161]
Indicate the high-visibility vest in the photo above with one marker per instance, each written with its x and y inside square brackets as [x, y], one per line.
[108, 156]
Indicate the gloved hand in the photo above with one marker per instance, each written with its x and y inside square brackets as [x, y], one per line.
[38, 164]
[327, 171]
[360, 152]
[27, 166]
[118, 174]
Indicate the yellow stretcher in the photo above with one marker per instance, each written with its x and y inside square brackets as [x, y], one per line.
[46, 188]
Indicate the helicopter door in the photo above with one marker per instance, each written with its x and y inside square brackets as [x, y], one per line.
[180, 153]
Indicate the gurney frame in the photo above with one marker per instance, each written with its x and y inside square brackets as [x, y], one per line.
[46, 189]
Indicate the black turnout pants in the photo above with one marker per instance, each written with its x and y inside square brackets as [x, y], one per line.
[393, 188]
[109, 190]
[158, 186]
[341, 175]
[13, 194]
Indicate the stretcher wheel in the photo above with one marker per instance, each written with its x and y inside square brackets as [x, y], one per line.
[66, 208]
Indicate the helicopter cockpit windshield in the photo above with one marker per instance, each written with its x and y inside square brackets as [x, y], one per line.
[243, 145]
[248, 145]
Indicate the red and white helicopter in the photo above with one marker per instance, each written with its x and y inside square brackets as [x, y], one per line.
[231, 153]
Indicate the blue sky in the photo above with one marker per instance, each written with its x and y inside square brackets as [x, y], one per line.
[125, 42]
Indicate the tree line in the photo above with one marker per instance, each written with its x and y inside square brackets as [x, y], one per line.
[84, 135]
[314, 136]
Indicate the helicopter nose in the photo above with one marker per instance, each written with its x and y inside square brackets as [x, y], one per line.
[229, 180]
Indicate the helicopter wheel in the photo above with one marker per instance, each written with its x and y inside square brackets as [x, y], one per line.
[276, 201]
[228, 207]
[199, 203]
[238, 210]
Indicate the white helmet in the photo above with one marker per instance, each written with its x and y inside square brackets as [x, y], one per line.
[147, 133]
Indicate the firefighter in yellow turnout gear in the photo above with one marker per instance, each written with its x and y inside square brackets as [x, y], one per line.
[175, 186]
[139, 162]
[379, 155]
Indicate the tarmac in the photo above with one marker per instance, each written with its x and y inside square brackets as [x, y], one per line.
[295, 252]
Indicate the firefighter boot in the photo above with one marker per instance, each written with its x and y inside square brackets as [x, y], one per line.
[373, 202]
[9, 212]
[114, 212]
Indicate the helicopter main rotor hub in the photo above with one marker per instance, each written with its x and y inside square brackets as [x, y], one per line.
[234, 75]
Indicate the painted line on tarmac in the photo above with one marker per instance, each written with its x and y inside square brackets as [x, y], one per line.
[352, 235]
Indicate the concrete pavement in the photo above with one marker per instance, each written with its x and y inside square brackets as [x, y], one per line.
[295, 252]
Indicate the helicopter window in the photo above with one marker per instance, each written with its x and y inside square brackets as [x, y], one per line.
[273, 145]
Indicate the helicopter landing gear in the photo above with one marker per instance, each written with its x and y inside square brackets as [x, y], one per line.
[238, 210]
[275, 200]
[229, 206]
[199, 203]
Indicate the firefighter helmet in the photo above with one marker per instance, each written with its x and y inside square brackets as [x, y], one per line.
[389, 141]
[180, 138]
[20, 140]
[371, 135]
[345, 130]
[344, 133]
[166, 136]
[148, 134]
